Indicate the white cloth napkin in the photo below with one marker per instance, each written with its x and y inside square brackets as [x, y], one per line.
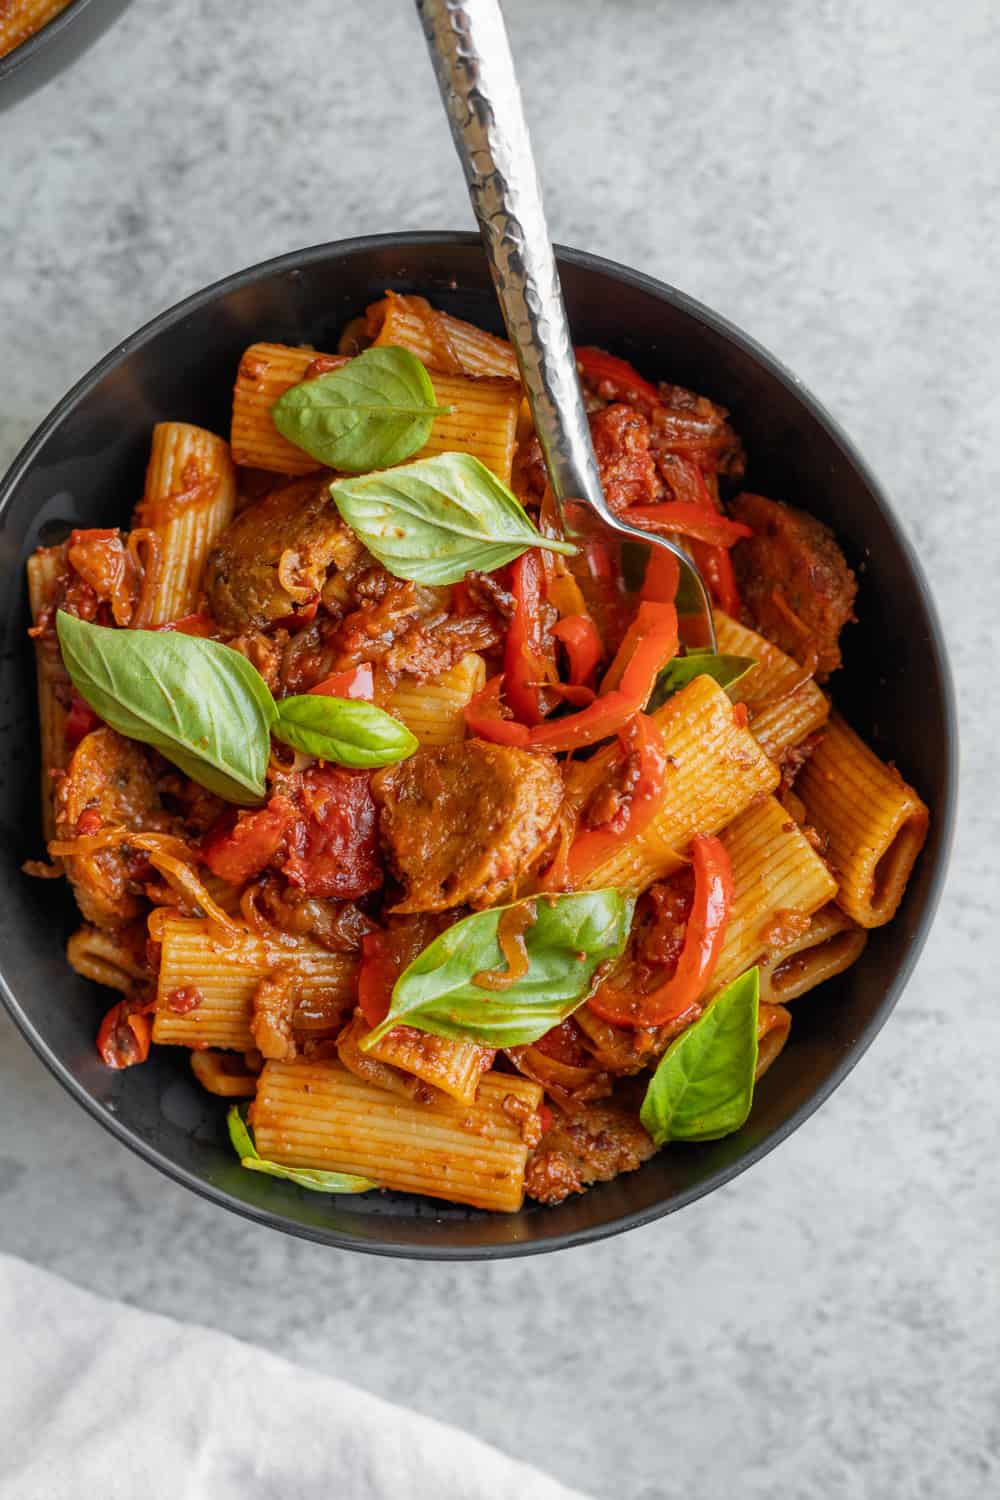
[99, 1401]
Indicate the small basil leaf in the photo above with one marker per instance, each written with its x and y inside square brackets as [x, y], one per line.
[570, 936]
[201, 704]
[703, 1085]
[433, 520]
[343, 730]
[726, 670]
[373, 412]
[318, 1181]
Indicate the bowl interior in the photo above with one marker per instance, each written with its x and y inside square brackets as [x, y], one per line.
[86, 466]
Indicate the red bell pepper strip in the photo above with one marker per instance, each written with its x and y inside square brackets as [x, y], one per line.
[598, 365]
[688, 483]
[377, 973]
[703, 939]
[355, 682]
[578, 634]
[597, 555]
[484, 717]
[574, 694]
[649, 616]
[692, 520]
[528, 658]
[716, 567]
[643, 738]
[663, 574]
[651, 641]
[124, 1035]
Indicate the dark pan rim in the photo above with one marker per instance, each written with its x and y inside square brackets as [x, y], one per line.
[296, 260]
[31, 47]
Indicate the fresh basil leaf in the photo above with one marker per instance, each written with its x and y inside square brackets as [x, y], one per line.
[343, 730]
[433, 520]
[703, 1085]
[318, 1181]
[201, 704]
[726, 670]
[373, 412]
[570, 936]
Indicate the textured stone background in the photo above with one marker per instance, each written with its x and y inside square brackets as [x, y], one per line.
[826, 174]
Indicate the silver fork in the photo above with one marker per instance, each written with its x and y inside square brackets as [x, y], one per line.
[475, 72]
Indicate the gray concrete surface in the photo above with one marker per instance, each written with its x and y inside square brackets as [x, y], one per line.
[826, 174]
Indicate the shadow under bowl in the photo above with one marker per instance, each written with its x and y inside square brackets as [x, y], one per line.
[86, 464]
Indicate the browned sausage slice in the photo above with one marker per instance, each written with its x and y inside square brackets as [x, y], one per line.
[276, 554]
[110, 778]
[464, 823]
[593, 1144]
[797, 588]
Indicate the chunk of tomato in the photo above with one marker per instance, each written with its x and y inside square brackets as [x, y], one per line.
[334, 848]
[240, 845]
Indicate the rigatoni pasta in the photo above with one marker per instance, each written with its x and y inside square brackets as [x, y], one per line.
[435, 711]
[224, 976]
[481, 415]
[224, 1075]
[454, 1067]
[442, 342]
[779, 882]
[785, 704]
[188, 501]
[107, 958]
[320, 1115]
[830, 944]
[716, 768]
[773, 1026]
[875, 823]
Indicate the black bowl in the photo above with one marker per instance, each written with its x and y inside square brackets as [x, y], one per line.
[86, 464]
[54, 47]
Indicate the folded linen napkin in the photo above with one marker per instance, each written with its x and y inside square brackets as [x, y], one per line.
[106, 1402]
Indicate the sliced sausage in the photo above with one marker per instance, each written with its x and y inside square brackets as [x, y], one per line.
[797, 588]
[593, 1144]
[464, 823]
[110, 780]
[277, 555]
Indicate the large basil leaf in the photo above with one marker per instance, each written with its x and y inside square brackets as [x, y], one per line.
[199, 703]
[433, 520]
[318, 1181]
[571, 935]
[374, 411]
[703, 1085]
[343, 730]
[726, 671]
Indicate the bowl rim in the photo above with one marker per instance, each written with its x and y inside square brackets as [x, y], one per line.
[460, 239]
[32, 45]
